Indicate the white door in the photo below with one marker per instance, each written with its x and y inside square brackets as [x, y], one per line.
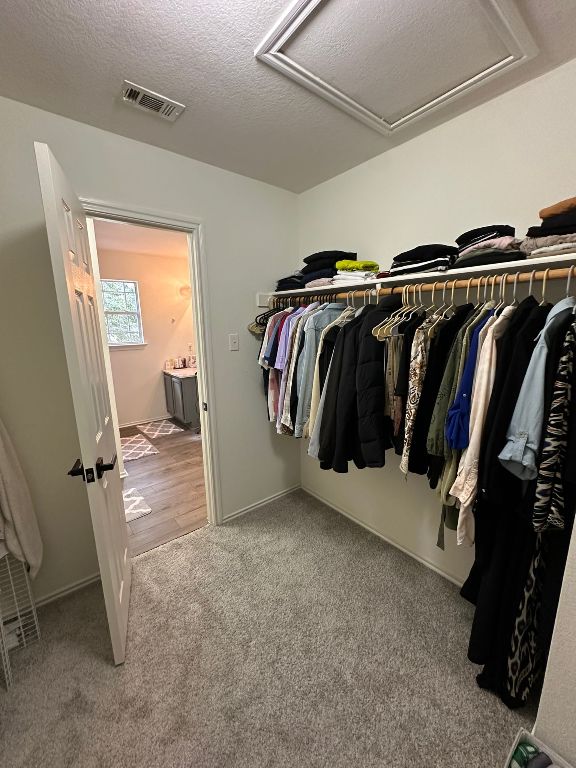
[97, 465]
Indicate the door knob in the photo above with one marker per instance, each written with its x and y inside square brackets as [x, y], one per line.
[101, 467]
[77, 470]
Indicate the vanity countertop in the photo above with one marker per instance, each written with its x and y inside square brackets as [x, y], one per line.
[182, 373]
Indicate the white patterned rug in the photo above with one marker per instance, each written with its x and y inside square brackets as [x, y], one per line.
[159, 428]
[135, 447]
[134, 504]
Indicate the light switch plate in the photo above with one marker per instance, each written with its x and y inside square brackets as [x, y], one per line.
[233, 342]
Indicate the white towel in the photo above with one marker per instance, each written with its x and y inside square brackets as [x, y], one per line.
[18, 524]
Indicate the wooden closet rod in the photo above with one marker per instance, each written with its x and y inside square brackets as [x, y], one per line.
[482, 280]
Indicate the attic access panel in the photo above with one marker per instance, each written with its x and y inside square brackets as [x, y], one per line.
[389, 63]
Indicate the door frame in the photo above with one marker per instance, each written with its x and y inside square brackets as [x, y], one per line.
[194, 229]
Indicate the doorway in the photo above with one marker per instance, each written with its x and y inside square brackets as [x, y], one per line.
[147, 310]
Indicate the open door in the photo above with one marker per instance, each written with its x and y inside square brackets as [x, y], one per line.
[79, 315]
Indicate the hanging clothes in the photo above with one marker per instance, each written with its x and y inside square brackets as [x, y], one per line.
[520, 452]
[440, 347]
[374, 425]
[312, 332]
[479, 398]
[323, 357]
[464, 488]
[339, 439]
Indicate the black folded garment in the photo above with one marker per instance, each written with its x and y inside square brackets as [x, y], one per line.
[291, 282]
[544, 231]
[567, 219]
[320, 273]
[425, 253]
[440, 264]
[335, 255]
[474, 236]
[487, 256]
[561, 224]
[314, 266]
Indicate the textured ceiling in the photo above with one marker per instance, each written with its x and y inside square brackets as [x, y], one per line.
[457, 37]
[132, 238]
[71, 58]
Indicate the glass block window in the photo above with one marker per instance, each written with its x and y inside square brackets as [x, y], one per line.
[122, 312]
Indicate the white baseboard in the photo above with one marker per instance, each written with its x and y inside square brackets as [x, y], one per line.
[260, 503]
[74, 587]
[394, 543]
[144, 421]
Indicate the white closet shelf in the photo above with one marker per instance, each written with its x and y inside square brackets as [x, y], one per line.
[523, 265]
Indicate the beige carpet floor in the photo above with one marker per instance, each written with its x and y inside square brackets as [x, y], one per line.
[288, 637]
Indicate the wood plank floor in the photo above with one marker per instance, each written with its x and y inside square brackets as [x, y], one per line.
[172, 484]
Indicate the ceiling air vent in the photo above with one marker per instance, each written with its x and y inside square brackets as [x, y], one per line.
[142, 98]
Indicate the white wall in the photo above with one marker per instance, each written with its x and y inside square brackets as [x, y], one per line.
[499, 163]
[250, 238]
[167, 324]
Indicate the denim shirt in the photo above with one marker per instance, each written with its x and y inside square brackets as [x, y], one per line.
[520, 453]
[305, 376]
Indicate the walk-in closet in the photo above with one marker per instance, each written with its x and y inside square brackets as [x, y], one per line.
[288, 388]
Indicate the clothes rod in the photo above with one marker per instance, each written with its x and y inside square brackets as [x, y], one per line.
[444, 284]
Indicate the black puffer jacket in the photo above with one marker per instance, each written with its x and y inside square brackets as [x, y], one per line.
[339, 431]
[374, 428]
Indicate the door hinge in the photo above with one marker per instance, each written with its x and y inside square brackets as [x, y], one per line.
[205, 406]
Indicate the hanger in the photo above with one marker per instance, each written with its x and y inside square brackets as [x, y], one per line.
[499, 304]
[569, 280]
[502, 295]
[442, 312]
[452, 305]
[479, 288]
[380, 327]
[493, 287]
[514, 299]
[406, 315]
[485, 294]
[544, 279]
[531, 281]
[443, 305]
[433, 301]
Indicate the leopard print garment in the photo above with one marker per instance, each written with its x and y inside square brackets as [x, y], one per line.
[549, 503]
[526, 657]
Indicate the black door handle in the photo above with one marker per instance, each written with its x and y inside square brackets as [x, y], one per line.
[101, 467]
[77, 470]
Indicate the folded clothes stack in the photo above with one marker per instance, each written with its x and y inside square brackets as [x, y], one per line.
[317, 266]
[424, 258]
[355, 271]
[291, 283]
[557, 233]
[487, 245]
